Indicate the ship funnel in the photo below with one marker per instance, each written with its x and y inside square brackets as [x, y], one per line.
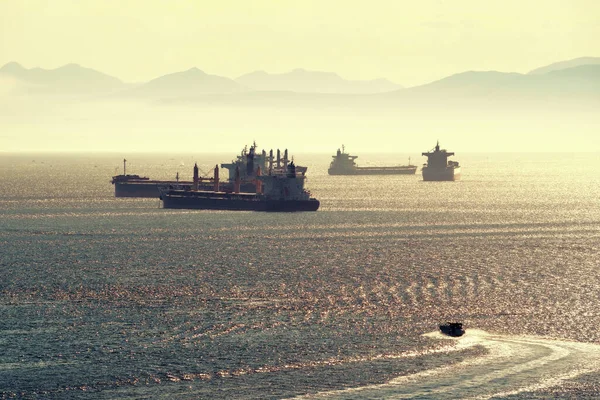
[216, 179]
[291, 170]
[195, 176]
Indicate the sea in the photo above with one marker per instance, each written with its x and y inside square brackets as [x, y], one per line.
[112, 298]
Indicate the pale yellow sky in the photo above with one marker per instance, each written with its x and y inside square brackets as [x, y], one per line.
[408, 42]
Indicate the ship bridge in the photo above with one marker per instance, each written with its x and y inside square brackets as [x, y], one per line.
[438, 157]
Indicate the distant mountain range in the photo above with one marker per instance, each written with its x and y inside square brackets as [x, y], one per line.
[185, 84]
[576, 62]
[303, 81]
[581, 80]
[74, 78]
[578, 77]
[70, 78]
[75, 108]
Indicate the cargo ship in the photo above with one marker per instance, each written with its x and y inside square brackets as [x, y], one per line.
[283, 192]
[343, 164]
[129, 185]
[247, 162]
[438, 168]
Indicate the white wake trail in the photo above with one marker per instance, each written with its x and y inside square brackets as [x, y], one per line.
[512, 364]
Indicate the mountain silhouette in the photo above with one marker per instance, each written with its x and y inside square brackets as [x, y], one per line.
[581, 82]
[576, 62]
[470, 83]
[315, 89]
[499, 111]
[589, 72]
[473, 89]
[186, 84]
[70, 78]
[303, 81]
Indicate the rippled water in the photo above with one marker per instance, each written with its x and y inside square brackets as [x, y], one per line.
[117, 298]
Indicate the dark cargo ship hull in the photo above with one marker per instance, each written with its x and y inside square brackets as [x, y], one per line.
[150, 189]
[144, 189]
[374, 171]
[444, 174]
[234, 202]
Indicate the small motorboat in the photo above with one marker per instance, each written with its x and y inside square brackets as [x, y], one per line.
[452, 329]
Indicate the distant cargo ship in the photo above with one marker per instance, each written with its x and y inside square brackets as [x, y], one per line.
[129, 185]
[274, 192]
[438, 168]
[343, 164]
[247, 162]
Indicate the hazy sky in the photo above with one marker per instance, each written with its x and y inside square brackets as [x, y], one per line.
[409, 42]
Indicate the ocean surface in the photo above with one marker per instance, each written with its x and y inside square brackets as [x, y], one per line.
[118, 298]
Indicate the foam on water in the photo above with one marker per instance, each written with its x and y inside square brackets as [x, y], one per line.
[512, 365]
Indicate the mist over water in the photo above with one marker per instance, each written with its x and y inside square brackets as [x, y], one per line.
[118, 298]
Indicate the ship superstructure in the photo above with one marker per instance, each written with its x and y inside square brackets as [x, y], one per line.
[251, 159]
[248, 162]
[277, 191]
[438, 168]
[344, 164]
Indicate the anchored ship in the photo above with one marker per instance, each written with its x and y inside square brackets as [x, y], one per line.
[127, 177]
[343, 164]
[127, 185]
[274, 192]
[247, 162]
[438, 168]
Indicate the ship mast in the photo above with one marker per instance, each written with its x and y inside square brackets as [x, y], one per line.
[124, 167]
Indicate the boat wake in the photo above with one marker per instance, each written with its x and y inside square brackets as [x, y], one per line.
[512, 365]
